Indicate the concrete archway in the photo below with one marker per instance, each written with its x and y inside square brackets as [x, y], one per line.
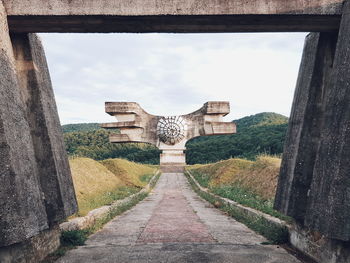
[314, 182]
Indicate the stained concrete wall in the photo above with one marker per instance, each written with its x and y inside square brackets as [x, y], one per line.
[41, 113]
[329, 197]
[319, 247]
[36, 185]
[314, 181]
[34, 249]
[22, 209]
[305, 124]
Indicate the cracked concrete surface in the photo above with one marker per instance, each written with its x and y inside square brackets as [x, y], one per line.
[173, 224]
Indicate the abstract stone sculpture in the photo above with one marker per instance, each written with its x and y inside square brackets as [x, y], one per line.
[170, 133]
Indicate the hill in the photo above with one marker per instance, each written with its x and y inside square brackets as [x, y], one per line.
[96, 184]
[256, 134]
[95, 145]
[250, 183]
[261, 119]
[259, 176]
[80, 127]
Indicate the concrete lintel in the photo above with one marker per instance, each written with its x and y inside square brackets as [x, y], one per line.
[174, 23]
[175, 7]
[173, 16]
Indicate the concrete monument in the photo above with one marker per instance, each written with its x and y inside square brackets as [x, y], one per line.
[170, 133]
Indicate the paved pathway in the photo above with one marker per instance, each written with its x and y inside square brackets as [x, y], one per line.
[174, 225]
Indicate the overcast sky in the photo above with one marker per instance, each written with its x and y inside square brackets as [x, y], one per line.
[170, 74]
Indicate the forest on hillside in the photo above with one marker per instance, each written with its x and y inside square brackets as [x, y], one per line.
[256, 134]
[80, 127]
[94, 144]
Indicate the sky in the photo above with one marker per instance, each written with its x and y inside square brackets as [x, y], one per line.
[172, 74]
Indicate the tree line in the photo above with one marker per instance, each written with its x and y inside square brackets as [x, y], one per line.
[260, 133]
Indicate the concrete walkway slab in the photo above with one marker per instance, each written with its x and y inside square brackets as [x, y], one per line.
[174, 225]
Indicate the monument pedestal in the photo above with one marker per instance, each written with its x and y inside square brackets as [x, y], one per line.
[172, 161]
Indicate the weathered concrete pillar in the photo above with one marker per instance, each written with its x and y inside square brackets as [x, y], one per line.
[328, 208]
[314, 184]
[41, 113]
[305, 123]
[36, 186]
[22, 211]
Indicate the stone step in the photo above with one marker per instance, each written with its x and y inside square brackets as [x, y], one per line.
[171, 168]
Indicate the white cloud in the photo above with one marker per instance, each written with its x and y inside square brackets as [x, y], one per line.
[172, 73]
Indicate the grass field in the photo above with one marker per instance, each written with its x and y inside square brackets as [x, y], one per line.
[250, 183]
[100, 183]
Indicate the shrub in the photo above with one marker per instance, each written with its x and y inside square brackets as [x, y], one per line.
[73, 238]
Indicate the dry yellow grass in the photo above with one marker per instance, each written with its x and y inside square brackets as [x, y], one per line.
[129, 172]
[258, 176]
[96, 185]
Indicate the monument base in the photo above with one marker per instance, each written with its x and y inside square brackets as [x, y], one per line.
[172, 161]
[172, 168]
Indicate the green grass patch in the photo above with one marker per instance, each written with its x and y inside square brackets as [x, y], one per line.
[275, 234]
[146, 178]
[202, 178]
[247, 198]
[106, 198]
[155, 180]
[240, 195]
